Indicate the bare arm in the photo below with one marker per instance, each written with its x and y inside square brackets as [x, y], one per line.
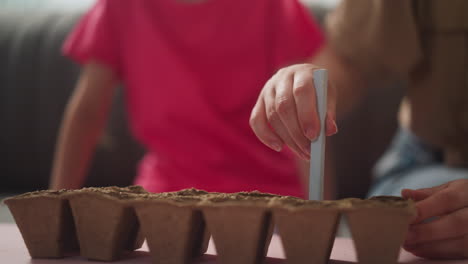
[84, 120]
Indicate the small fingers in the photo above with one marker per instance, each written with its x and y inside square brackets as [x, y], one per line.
[279, 128]
[306, 103]
[286, 112]
[286, 109]
[259, 124]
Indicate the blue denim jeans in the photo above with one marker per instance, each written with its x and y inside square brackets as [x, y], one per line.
[411, 164]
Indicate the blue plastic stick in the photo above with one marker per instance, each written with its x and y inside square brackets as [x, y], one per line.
[317, 148]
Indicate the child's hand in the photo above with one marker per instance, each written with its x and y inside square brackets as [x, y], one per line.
[286, 110]
[446, 236]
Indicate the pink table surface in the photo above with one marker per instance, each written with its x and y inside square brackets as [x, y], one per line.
[13, 251]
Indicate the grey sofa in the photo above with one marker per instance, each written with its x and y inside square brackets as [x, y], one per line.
[36, 81]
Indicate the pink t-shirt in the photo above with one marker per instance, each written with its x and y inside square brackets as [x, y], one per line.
[192, 73]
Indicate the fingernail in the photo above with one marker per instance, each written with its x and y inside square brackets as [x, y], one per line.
[332, 128]
[276, 147]
[335, 127]
[310, 134]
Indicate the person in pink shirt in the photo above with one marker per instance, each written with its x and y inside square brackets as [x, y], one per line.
[192, 70]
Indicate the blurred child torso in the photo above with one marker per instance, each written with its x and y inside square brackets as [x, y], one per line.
[192, 73]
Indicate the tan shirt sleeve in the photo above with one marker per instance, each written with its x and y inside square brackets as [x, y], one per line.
[379, 37]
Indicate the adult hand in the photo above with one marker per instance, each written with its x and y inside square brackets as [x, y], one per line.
[286, 110]
[445, 236]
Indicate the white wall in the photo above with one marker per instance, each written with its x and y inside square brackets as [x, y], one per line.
[324, 3]
[45, 4]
